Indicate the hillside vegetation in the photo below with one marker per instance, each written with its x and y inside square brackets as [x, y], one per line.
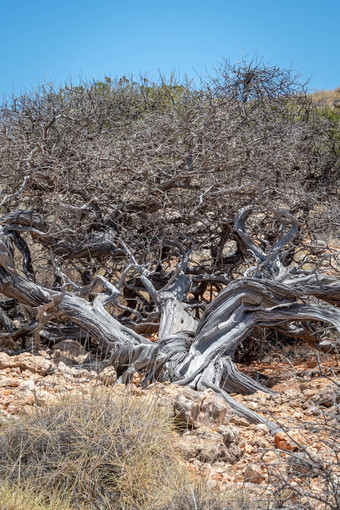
[330, 98]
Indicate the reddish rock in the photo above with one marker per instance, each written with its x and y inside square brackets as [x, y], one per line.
[253, 474]
[291, 442]
[311, 363]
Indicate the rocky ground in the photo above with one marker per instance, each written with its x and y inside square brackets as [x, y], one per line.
[226, 449]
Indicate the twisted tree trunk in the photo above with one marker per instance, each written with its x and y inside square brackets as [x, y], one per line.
[190, 352]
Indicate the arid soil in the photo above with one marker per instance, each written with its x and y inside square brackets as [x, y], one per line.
[226, 449]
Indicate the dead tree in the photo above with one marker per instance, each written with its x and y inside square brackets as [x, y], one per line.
[129, 208]
[190, 352]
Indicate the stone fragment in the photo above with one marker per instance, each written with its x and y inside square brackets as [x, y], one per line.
[108, 376]
[214, 411]
[186, 410]
[253, 474]
[291, 442]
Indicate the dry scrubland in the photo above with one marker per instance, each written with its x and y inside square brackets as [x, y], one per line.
[106, 445]
[169, 279]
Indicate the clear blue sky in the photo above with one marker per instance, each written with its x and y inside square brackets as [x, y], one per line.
[58, 40]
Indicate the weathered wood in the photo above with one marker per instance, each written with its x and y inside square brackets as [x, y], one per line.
[190, 352]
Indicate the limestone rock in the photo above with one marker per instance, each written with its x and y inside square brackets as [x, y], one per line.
[208, 446]
[26, 361]
[108, 376]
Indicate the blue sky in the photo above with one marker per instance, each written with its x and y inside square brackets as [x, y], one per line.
[59, 40]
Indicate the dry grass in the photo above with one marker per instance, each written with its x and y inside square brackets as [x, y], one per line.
[103, 452]
[198, 497]
[15, 496]
[327, 97]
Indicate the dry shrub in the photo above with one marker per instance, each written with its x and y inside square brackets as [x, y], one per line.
[102, 451]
